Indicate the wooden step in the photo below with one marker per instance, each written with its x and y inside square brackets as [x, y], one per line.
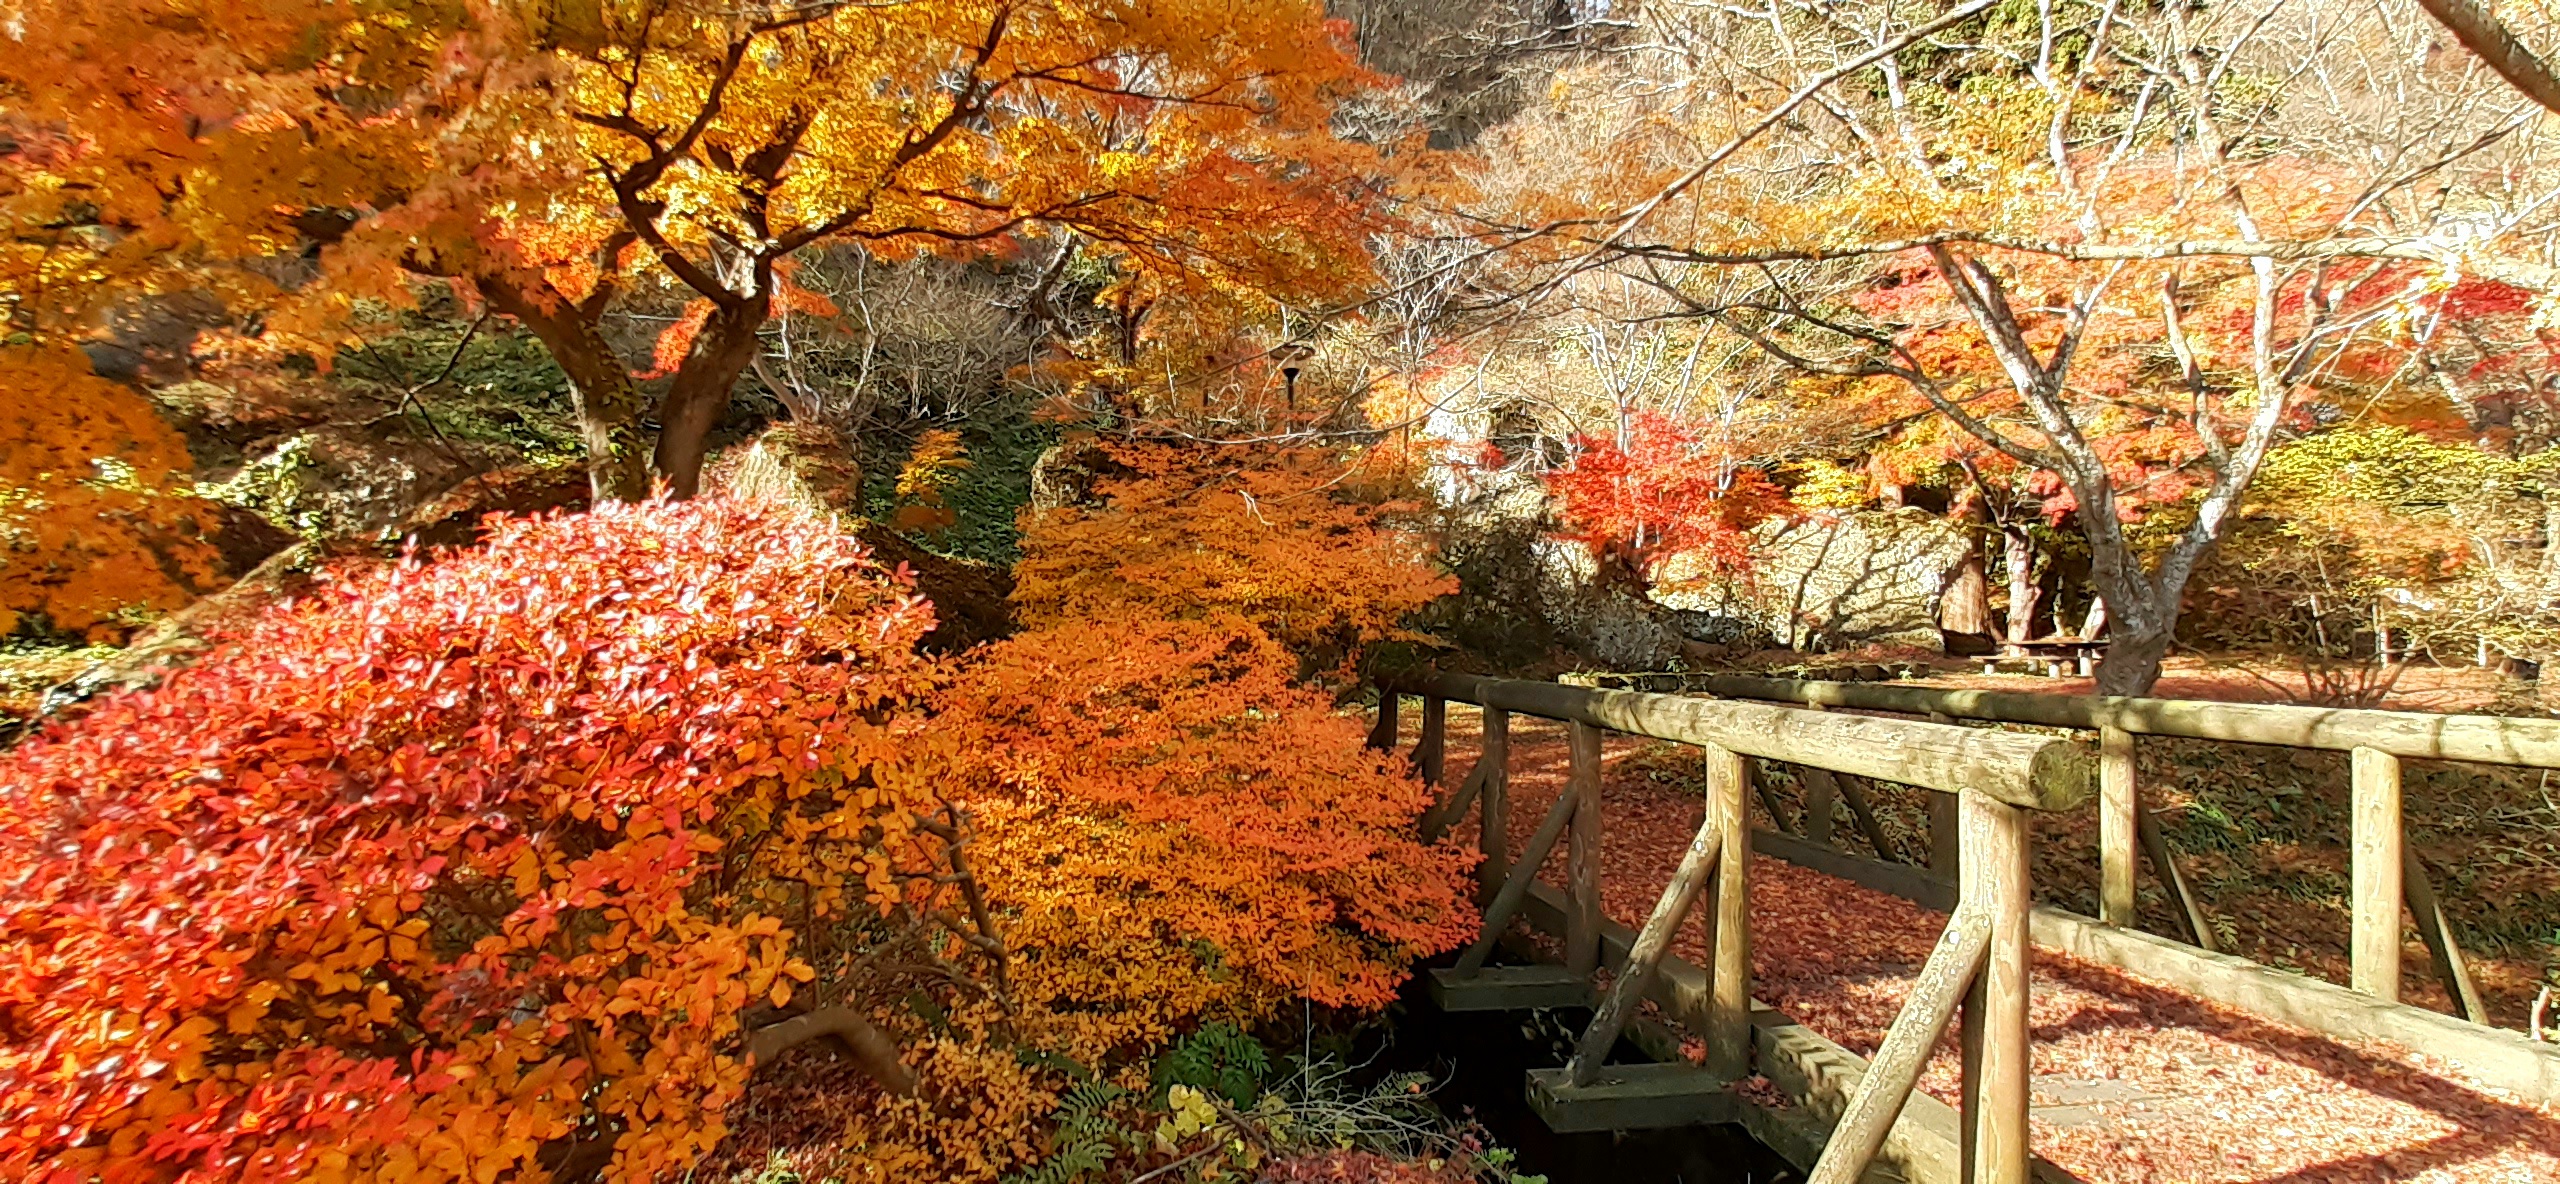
[1509, 988]
[1633, 1098]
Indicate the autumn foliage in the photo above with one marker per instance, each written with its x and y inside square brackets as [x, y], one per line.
[1290, 539]
[1661, 493]
[501, 863]
[1198, 793]
[450, 863]
[96, 517]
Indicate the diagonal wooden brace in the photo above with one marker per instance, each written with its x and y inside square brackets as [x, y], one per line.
[1437, 820]
[1515, 887]
[1890, 1077]
[1645, 957]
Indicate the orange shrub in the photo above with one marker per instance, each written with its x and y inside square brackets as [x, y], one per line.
[1157, 785]
[450, 869]
[1278, 537]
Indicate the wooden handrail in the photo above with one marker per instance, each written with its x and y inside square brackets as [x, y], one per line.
[1994, 776]
[2487, 739]
[2384, 876]
[2034, 772]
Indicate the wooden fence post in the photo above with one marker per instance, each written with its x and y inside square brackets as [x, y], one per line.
[1946, 847]
[1493, 829]
[2119, 797]
[1431, 751]
[1821, 802]
[1582, 854]
[1996, 1049]
[1729, 988]
[2377, 874]
[1382, 735]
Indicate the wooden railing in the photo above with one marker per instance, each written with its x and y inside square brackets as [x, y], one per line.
[2384, 873]
[1992, 778]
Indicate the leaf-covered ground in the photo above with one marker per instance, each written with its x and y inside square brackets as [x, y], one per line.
[2135, 1082]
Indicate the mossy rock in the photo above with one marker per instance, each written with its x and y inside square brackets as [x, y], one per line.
[812, 466]
[454, 518]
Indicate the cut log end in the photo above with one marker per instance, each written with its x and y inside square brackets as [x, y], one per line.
[2063, 775]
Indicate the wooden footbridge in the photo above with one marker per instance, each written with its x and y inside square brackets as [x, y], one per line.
[1843, 1117]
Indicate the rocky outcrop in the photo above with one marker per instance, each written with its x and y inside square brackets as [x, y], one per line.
[811, 466]
[456, 517]
[1842, 579]
[1067, 474]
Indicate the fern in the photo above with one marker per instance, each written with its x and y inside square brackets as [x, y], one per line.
[1220, 1059]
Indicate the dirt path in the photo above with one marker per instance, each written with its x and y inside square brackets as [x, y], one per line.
[2135, 1082]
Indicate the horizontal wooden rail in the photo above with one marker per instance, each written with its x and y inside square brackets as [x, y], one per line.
[1994, 777]
[2487, 739]
[2385, 877]
[2034, 772]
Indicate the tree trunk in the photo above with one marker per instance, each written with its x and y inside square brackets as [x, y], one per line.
[2018, 547]
[2141, 623]
[1966, 607]
[721, 352]
[2133, 657]
[608, 401]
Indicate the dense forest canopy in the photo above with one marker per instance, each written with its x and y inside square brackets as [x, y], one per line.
[565, 550]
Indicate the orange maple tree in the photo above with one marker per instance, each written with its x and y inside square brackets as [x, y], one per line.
[559, 162]
[97, 515]
[1214, 798]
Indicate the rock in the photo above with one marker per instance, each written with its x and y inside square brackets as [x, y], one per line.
[1621, 632]
[811, 466]
[244, 540]
[453, 518]
[972, 601]
[802, 463]
[1837, 580]
[1704, 653]
[1967, 645]
[350, 481]
[1067, 473]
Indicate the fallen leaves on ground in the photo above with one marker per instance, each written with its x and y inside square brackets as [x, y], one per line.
[2191, 1091]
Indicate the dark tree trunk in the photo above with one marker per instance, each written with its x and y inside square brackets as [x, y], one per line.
[2134, 653]
[608, 401]
[699, 395]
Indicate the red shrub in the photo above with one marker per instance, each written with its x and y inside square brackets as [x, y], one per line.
[1668, 493]
[449, 863]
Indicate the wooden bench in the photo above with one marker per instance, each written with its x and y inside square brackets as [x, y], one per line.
[2051, 653]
